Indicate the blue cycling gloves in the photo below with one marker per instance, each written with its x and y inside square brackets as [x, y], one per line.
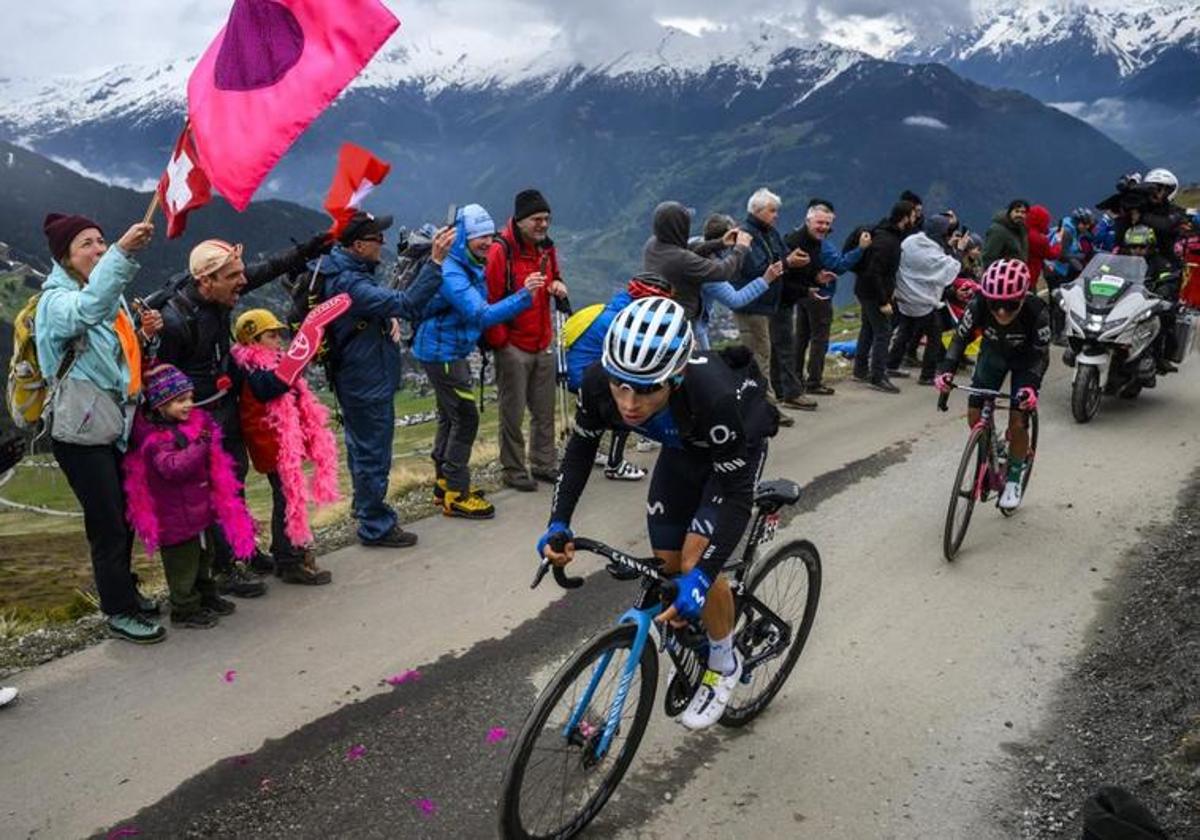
[693, 591]
[552, 529]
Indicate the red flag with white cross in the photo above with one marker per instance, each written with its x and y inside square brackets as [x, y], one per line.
[184, 185]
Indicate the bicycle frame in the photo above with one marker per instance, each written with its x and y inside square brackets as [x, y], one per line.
[648, 607]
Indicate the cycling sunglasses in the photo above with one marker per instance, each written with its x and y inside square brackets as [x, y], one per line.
[1005, 305]
[636, 388]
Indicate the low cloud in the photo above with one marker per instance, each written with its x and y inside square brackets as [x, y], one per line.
[142, 185]
[926, 122]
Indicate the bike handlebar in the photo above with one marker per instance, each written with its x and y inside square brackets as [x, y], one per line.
[943, 402]
[646, 567]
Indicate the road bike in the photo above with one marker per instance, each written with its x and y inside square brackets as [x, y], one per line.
[983, 468]
[585, 728]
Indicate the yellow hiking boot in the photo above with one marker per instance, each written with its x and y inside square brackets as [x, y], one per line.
[440, 488]
[468, 506]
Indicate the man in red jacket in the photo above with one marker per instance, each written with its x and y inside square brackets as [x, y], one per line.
[525, 368]
[1037, 222]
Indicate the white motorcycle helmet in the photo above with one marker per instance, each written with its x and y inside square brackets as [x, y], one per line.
[1163, 178]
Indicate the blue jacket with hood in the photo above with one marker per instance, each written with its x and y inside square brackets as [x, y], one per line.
[367, 365]
[453, 321]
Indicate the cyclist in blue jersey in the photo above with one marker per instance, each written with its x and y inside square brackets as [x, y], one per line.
[709, 411]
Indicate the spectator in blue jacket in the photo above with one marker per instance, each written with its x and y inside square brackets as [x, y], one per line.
[715, 244]
[451, 326]
[365, 363]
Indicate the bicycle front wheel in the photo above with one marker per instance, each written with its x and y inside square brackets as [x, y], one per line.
[788, 584]
[556, 782]
[967, 485]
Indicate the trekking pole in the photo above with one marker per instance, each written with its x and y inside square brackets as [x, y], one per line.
[562, 310]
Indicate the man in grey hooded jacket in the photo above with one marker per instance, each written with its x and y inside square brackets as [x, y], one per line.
[667, 254]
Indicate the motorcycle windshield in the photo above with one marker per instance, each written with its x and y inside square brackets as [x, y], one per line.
[1107, 277]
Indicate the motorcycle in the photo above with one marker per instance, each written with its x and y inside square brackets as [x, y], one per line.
[1112, 329]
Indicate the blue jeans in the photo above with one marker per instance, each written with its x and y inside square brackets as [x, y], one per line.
[369, 429]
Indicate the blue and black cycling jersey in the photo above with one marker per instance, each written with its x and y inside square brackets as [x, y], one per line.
[717, 419]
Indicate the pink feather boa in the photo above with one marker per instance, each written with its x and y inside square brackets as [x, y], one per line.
[301, 426]
[228, 507]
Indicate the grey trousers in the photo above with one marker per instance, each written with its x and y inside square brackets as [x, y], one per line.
[754, 331]
[526, 381]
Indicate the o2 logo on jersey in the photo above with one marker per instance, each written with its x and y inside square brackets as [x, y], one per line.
[721, 435]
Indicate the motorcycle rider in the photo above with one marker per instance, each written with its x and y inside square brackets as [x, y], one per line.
[1015, 326]
[1162, 280]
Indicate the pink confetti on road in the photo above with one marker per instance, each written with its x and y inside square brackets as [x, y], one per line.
[264, 785]
[410, 675]
[123, 831]
[241, 760]
[230, 676]
[356, 752]
[496, 734]
[426, 806]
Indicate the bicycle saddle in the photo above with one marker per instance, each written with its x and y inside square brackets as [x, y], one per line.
[772, 495]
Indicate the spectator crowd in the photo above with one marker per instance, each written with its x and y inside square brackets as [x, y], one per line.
[157, 411]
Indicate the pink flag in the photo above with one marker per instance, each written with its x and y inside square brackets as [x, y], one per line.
[268, 74]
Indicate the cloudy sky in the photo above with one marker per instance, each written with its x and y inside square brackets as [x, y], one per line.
[69, 36]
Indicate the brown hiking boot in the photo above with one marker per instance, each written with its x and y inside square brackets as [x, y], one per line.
[306, 572]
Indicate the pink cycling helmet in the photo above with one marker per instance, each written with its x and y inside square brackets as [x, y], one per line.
[1005, 280]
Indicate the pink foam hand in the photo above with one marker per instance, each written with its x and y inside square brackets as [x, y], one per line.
[307, 341]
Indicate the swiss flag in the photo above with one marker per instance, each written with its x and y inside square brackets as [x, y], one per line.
[184, 186]
[358, 172]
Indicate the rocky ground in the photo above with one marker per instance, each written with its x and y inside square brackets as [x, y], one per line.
[1129, 712]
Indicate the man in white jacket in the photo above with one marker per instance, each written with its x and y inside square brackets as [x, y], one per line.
[928, 264]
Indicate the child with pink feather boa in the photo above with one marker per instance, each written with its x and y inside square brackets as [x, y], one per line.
[284, 427]
[180, 484]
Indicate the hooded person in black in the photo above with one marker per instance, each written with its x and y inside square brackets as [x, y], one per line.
[874, 286]
[667, 254]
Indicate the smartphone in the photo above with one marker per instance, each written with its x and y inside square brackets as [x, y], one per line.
[451, 215]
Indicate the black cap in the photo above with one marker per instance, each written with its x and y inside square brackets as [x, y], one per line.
[528, 203]
[362, 225]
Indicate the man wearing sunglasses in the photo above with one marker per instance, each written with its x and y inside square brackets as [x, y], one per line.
[1015, 325]
[710, 413]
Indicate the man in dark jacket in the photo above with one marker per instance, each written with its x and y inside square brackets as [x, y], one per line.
[365, 362]
[667, 254]
[196, 334]
[766, 248]
[1008, 238]
[814, 309]
[874, 286]
[525, 367]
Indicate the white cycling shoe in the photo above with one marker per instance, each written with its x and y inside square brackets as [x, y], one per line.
[711, 697]
[1010, 499]
[625, 471]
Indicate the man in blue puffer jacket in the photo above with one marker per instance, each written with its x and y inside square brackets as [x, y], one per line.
[366, 364]
[451, 326]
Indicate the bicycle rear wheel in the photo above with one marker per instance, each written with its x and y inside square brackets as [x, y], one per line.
[966, 490]
[788, 583]
[554, 785]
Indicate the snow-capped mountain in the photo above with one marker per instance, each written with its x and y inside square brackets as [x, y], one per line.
[1132, 70]
[701, 119]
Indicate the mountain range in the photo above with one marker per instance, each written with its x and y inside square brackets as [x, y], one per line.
[1132, 70]
[704, 120]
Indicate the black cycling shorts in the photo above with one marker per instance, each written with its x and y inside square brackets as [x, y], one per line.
[684, 496]
[990, 370]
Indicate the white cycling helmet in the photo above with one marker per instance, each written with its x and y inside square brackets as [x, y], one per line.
[648, 342]
[1163, 178]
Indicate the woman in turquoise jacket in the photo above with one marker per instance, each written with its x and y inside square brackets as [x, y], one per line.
[449, 332]
[82, 306]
